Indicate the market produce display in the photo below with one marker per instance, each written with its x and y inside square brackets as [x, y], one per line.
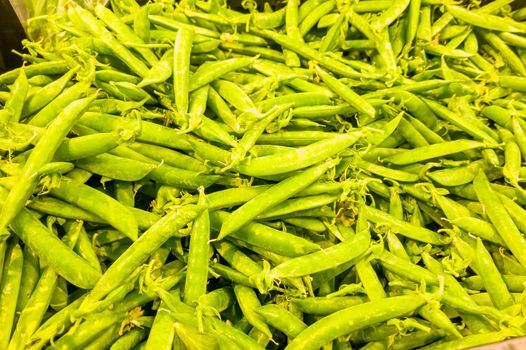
[328, 174]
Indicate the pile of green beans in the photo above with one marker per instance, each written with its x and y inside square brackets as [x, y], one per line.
[328, 174]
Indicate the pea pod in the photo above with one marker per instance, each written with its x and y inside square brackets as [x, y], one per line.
[41, 154]
[181, 63]
[312, 98]
[233, 94]
[389, 15]
[87, 331]
[97, 29]
[305, 51]
[398, 175]
[453, 118]
[250, 136]
[281, 319]
[469, 341]
[339, 254]
[50, 111]
[168, 156]
[249, 303]
[216, 103]
[491, 277]
[217, 300]
[14, 105]
[404, 228]
[31, 273]
[485, 20]
[166, 174]
[98, 203]
[266, 237]
[90, 145]
[162, 333]
[298, 158]
[150, 241]
[292, 206]
[215, 70]
[124, 33]
[239, 338]
[115, 167]
[10, 285]
[47, 67]
[31, 316]
[160, 72]
[327, 305]
[512, 59]
[271, 197]
[499, 217]
[433, 151]
[197, 273]
[310, 19]
[347, 94]
[363, 315]
[150, 132]
[130, 339]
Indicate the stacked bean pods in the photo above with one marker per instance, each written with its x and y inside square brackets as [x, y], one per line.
[329, 174]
